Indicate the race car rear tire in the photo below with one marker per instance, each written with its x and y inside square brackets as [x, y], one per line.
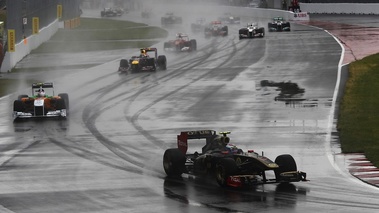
[174, 162]
[21, 97]
[262, 31]
[162, 62]
[226, 30]
[18, 106]
[286, 163]
[64, 96]
[225, 168]
[193, 44]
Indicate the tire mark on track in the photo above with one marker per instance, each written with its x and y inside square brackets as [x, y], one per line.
[135, 117]
[91, 113]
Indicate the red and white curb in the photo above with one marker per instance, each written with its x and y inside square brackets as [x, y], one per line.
[360, 167]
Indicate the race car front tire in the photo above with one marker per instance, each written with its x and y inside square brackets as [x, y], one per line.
[286, 163]
[193, 44]
[270, 26]
[226, 30]
[174, 162]
[18, 106]
[124, 63]
[59, 104]
[64, 96]
[225, 168]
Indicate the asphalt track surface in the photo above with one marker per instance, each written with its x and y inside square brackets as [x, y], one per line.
[107, 157]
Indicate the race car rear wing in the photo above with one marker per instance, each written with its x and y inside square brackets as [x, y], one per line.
[183, 138]
[42, 85]
[151, 49]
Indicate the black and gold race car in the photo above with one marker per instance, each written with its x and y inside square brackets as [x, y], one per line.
[226, 163]
[42, 103]
[144, 62]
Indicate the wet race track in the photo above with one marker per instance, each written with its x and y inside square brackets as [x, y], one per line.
[275, 94]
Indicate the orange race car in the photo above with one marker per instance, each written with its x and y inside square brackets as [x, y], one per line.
[41, 103]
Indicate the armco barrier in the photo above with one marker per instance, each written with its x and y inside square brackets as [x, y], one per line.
[341, 8]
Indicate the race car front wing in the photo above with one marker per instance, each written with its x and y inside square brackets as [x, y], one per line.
[56, 113]
[251, 180]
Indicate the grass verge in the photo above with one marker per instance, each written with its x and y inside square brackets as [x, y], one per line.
[358, 119]
[102, 34]
[8, 86]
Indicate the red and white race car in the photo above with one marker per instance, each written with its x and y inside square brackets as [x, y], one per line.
[216, 28]
[182, 43]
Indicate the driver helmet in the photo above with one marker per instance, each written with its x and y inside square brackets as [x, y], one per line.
[41, 92]
[143, 52]
[225, 140]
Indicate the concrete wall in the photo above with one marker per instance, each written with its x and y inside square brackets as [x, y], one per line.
[23, 49]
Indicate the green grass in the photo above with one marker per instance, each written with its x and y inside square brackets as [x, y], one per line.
[358, 119]
[10, 85]
[102, 34]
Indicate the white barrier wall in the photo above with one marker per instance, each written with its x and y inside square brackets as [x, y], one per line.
[23, 49]
[341, 8]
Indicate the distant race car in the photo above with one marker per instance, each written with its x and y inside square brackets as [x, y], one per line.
[199, 25]
[226, 163]
[42, 103]
[182, 43]
[112, 12]
[146, 13]
[170, 19]
[228, 18]
[144, 62]
[216, 28]
[278, 24]
[251, 31]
